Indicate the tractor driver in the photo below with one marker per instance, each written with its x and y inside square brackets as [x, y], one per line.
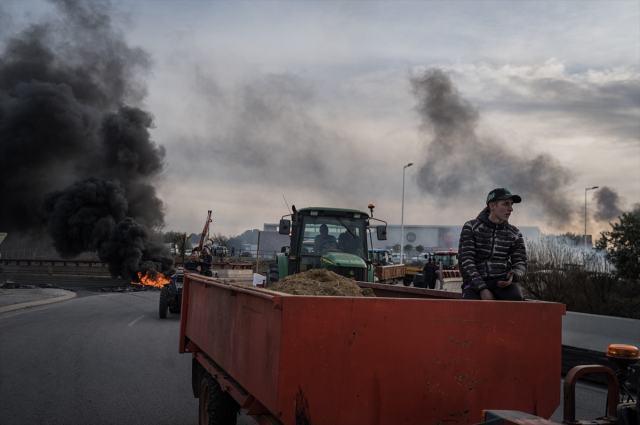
[324, 241]
[192, 265]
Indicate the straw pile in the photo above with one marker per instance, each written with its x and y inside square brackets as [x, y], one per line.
[320, 282]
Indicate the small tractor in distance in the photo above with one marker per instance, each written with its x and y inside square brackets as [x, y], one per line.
[327, 238]
[171, 295]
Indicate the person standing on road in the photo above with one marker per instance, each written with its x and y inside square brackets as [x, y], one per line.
[205, 262]
[492, 254]
[233, 251]
[429, 273]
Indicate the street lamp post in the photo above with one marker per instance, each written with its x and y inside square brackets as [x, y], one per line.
[585, 215]
[402, 219]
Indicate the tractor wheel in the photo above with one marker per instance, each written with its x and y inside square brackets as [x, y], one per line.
[273, 275]
[164, 302]
[216, 407]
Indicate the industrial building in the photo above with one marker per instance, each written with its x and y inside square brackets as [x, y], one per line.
[431, 237]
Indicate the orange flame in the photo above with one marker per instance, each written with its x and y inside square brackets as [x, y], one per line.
[148, 280]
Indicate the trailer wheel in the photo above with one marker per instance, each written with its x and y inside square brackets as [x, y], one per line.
[273, 275]
[164, 302]
[216, 407]
[406, 281]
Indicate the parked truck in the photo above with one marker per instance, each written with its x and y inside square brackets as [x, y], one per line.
[286, 359]
[384, 270]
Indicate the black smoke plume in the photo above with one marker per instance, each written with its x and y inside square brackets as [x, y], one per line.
[461, 165]
[66, 89]
[608, 204]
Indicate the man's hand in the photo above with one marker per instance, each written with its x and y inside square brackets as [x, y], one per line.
[486, 295]
[505, 283]
[198, 268]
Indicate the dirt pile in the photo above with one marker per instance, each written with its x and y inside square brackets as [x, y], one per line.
[320, 282]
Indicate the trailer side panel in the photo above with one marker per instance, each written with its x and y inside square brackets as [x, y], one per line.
[393, 361]
[239, 330]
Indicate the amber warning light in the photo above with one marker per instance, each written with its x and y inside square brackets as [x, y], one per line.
[623, 351]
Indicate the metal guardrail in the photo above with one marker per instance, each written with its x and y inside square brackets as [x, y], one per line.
[51, 263]
[241, 266]
[94, 263]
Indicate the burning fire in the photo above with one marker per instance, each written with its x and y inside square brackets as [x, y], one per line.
[148, 280]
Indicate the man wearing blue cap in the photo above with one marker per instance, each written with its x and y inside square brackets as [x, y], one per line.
[492, 254]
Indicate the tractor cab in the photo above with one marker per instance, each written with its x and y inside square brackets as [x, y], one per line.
[381, 257]
[328, 238]
[449, 259]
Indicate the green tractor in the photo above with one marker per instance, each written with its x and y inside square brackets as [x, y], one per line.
[328, 238]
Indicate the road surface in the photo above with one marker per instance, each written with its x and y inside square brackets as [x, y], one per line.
[106, 358]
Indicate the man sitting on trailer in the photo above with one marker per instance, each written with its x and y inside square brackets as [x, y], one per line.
[492, 253]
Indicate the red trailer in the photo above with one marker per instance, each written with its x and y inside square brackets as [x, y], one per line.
[414, 356]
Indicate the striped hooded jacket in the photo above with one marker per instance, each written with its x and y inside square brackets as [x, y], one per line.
[487, 251]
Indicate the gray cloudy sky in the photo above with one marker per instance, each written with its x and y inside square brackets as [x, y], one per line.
[314, 101]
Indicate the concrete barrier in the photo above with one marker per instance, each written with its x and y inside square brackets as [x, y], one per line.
[234, 274]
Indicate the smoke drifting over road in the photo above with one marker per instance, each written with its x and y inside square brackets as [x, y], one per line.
[64, 84]
[462, 165]
[608, 204]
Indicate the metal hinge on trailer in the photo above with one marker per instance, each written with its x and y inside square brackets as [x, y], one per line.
[249, 404]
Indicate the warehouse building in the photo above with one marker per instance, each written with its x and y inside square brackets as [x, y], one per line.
[431, 237]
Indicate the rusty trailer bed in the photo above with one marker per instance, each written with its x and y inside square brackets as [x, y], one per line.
[411, 355]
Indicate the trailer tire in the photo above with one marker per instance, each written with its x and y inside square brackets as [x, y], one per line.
[273, 275]
[164, 302]
[215, 407]
[406, 281]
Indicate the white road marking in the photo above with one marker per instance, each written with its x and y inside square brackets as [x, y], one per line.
[134, 322]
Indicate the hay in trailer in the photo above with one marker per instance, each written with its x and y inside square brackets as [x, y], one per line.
[320, 282]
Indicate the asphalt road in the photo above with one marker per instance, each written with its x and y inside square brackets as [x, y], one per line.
[101, 359]
[106, 358]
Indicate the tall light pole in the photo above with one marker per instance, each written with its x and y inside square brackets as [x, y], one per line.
[585, 215]
[402, 219]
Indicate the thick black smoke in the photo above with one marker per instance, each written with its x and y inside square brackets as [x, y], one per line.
[64, 87]
[608, 204]
[91, 216]
[462, 165]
